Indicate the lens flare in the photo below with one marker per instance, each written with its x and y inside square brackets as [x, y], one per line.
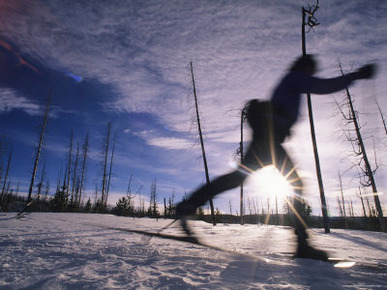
[269, 180]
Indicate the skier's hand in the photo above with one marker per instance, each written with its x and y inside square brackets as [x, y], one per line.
[366, 72]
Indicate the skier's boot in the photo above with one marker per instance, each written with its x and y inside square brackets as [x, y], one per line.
[306, 251]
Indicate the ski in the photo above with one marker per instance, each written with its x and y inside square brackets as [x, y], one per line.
[340, 263]
[185, 239]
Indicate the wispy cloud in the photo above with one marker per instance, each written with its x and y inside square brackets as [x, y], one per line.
[169, 143]
[10, 100]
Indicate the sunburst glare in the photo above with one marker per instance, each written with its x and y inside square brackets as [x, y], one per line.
[269, 181]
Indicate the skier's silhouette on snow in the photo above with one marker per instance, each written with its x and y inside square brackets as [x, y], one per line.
[271, 122]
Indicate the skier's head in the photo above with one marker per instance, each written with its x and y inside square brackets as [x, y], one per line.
[306, 63]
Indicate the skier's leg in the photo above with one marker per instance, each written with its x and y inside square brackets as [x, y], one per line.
[286, 166]
[207, 192]
[225, 182]
[288, 170]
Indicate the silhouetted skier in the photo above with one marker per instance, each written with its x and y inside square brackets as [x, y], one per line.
[271, 122]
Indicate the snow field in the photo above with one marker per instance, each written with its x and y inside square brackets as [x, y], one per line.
[74, 251]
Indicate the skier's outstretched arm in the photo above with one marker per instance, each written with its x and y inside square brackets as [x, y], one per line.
[327, 86]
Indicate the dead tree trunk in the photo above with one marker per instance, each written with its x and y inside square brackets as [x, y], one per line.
[382, 117]
[105, 165]
[366, 168]
[202, 143]
[39, 149]
[74, 190]
[85, 151]
[69, 168]
[110, 170]
[152, 211]
[43, 175]
[312, 22]
[6, 173]
[362, 203]
[344, 215]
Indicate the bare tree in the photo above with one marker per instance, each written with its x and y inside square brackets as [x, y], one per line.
[83, 174]
[130, 195]
[202, 142]
[47, 190]
[106, 145]
[75, 180]
[40, 186]
[42, 177]
[169, 208]
[366, 172]
[152, 211]
[171, 205]
[359, 194]
[6, 172]
[110, 169]
[339, 203]
[69, 166]
[39, 148]
[342, 206]
[308, 19]
[350, 208]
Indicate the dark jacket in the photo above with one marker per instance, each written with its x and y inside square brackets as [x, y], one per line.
[287, 95]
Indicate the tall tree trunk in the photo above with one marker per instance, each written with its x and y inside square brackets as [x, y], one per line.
[153, 202]
[343, 202]
[74, 190]
[6, 172]
[202, 143]
[362, 203]
[39, 149]
[382, 117]
[40, 185]
[105, 164]
[312, 130]
[69, 168]
[83, 174]
[110, 170]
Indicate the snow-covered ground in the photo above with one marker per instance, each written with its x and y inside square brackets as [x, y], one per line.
[73, 251]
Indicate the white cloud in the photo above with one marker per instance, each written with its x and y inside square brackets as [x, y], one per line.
[170, 143]
[153, 138]
[10, 100]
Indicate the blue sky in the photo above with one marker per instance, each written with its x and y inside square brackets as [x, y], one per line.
[127, 62]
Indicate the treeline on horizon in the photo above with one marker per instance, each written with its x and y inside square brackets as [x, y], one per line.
[125, 207]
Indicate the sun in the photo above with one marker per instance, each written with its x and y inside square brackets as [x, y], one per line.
[269, 181]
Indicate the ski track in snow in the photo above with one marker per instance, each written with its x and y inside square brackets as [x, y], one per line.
[74, 251]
